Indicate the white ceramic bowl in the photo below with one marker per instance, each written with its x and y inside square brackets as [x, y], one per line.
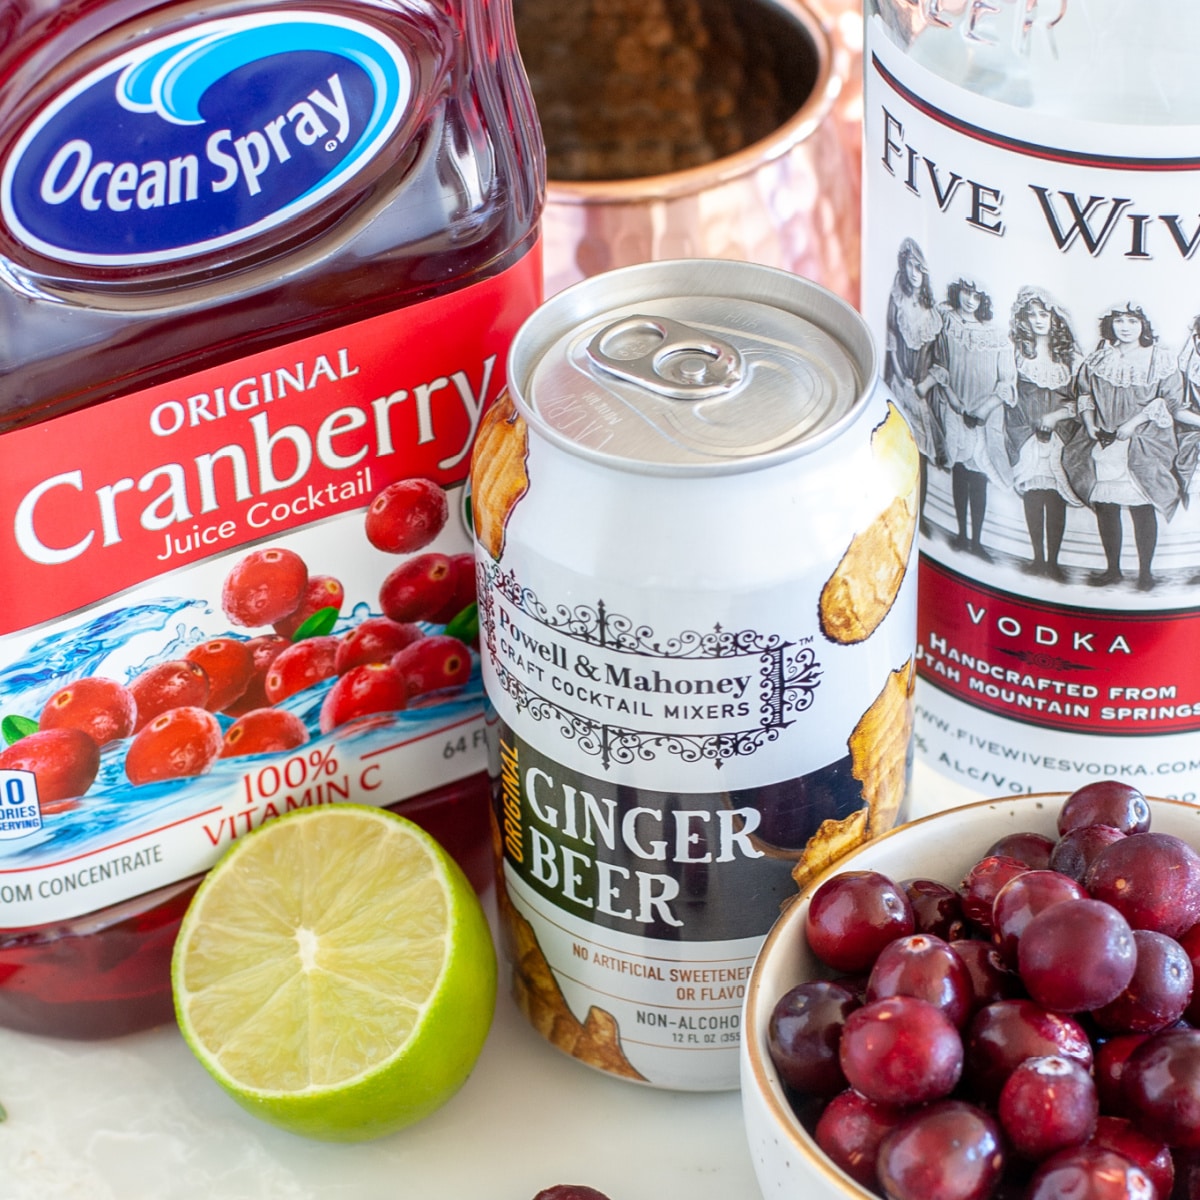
[943, 847]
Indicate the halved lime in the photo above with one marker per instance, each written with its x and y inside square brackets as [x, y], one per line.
[335, 973]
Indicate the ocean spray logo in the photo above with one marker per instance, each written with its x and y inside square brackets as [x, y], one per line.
[204, 139]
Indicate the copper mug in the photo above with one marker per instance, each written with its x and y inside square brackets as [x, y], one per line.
[788, 199]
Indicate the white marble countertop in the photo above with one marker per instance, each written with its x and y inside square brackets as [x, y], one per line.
[137, 1118]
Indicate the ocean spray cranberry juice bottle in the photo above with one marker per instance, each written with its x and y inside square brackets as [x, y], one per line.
[259, 268]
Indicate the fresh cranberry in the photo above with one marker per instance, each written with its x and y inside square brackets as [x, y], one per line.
[432, 664]
[1089, 1173]
[64, 763]
[1073, 852]
[803, 1035]
[1159, 991]
[850, 1130]
[264, 731]
[853, 915]
[1161, 1087]
[1077, 955]
[1004, 1034]
[264, 650]
[901, 1051]
[1021, 899]
[1046, 1105]
[102, 708]
[229, 664]
[1106, 802]
[363, 691]
[175, 684]
[570, 1191]
[463, 567]
[1154, 1157]
[992, 978]
[1190, 941]
[1111, 1056]
[924, 966]
[1152, 879]
[982, 883]
[175, 745]
[937, 909]
[300, 666]
[949, 1151]
[1033, 849]
[264, 587]
[406, 516]
[323, 591]
[418, 588]
[375, 640]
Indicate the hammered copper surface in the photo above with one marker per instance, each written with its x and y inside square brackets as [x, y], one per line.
[788, 198]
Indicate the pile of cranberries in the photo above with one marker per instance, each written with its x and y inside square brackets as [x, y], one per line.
[1032, 1033]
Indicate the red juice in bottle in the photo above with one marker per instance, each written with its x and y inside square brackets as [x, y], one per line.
[259, 269]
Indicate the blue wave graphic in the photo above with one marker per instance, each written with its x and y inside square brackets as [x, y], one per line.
[172, 81]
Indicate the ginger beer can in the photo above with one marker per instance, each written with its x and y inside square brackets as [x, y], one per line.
[694, 515]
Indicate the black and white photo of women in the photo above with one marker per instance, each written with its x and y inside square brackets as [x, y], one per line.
[973, 364]
[1041, 421]
[913, 325]
[1123, 454]
[1187, 417]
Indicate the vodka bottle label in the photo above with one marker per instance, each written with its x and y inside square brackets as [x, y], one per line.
[1032, 287]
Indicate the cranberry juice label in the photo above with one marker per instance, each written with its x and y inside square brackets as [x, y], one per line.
[239, 593]
[204, 138]
[1032, 283]
[685, 723]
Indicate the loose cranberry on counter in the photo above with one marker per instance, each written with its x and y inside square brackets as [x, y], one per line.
[949, 1151]
[1105, 802]
[101, 708]
[853, 915]
[1046, 1105]
[803, 1035]
[1152, 879]
[850, 1130]
[570, 1191]
[901, 1051]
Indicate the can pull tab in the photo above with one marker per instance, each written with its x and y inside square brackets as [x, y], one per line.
[668, 357]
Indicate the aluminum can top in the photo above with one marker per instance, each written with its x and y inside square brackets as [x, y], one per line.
[692, 366]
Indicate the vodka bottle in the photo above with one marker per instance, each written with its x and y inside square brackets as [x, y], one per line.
[1031, 220]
